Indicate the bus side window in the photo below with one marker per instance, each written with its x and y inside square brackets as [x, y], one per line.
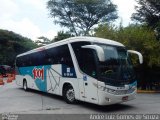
[19, 62]
[51, 56]
[59, 55]
[49, 61]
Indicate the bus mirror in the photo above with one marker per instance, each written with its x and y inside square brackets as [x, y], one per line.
[99, 50]
[137, 53]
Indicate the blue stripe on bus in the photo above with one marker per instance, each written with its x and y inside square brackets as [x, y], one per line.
[38, 73]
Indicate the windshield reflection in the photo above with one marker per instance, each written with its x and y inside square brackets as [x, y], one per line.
[117, 65]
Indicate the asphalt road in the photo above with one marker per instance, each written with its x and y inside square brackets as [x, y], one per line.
[15, 100]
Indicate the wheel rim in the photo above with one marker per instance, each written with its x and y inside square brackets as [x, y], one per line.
[70, 95]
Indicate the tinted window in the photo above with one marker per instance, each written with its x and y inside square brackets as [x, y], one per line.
[86, 58]
[22, 61]
[56, 55]
[59, 55]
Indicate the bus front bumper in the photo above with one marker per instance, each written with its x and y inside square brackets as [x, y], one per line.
[109, 99]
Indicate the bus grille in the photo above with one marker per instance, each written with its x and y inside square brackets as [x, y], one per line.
[123, 92]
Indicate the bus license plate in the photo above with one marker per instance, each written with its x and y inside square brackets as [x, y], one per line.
[125, 98]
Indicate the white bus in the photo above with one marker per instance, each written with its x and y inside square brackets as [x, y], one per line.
[88, 69]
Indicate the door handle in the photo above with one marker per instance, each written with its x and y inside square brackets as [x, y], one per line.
[86, 84]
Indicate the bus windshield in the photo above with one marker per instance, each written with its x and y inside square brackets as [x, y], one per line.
[117, 68]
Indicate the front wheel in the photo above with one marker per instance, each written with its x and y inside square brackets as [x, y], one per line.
[69, 94]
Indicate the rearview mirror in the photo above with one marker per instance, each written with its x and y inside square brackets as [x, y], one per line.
[99, 50]
[137, 53]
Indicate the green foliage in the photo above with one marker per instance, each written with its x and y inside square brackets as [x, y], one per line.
[136, 37]
[12, 44]
[62, 35]
[43, 41]
[148, 12]
[79, 16]
[157, 31]
[106, 31]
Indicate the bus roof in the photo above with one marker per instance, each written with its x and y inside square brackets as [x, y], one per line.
[74, 39]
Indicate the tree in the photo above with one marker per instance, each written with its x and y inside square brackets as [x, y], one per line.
[12, 44]
[62, 35]
[43, 41]
[80, 16]
[148, 11]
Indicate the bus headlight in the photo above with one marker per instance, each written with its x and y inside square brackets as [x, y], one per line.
[102, 88]
[110, 90]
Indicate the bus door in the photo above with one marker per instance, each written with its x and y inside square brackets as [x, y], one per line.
[88, 66]
[90, 89]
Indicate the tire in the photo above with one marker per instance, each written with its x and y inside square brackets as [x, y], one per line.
[69, 94]
[25, 87]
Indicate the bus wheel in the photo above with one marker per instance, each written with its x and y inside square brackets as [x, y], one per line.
[69, 94]
[25, 87]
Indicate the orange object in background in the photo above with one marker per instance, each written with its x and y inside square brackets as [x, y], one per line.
[9, 80]
[11, 77]
[1, 76]
[1, 80]
[14, 76]
[8, 74]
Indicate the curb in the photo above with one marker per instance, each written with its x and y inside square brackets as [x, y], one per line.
[147, 91]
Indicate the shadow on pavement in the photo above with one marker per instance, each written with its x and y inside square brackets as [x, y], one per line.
[106, 108]
[44, 94]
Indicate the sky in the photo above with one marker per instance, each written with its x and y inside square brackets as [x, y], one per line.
[30, 18]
